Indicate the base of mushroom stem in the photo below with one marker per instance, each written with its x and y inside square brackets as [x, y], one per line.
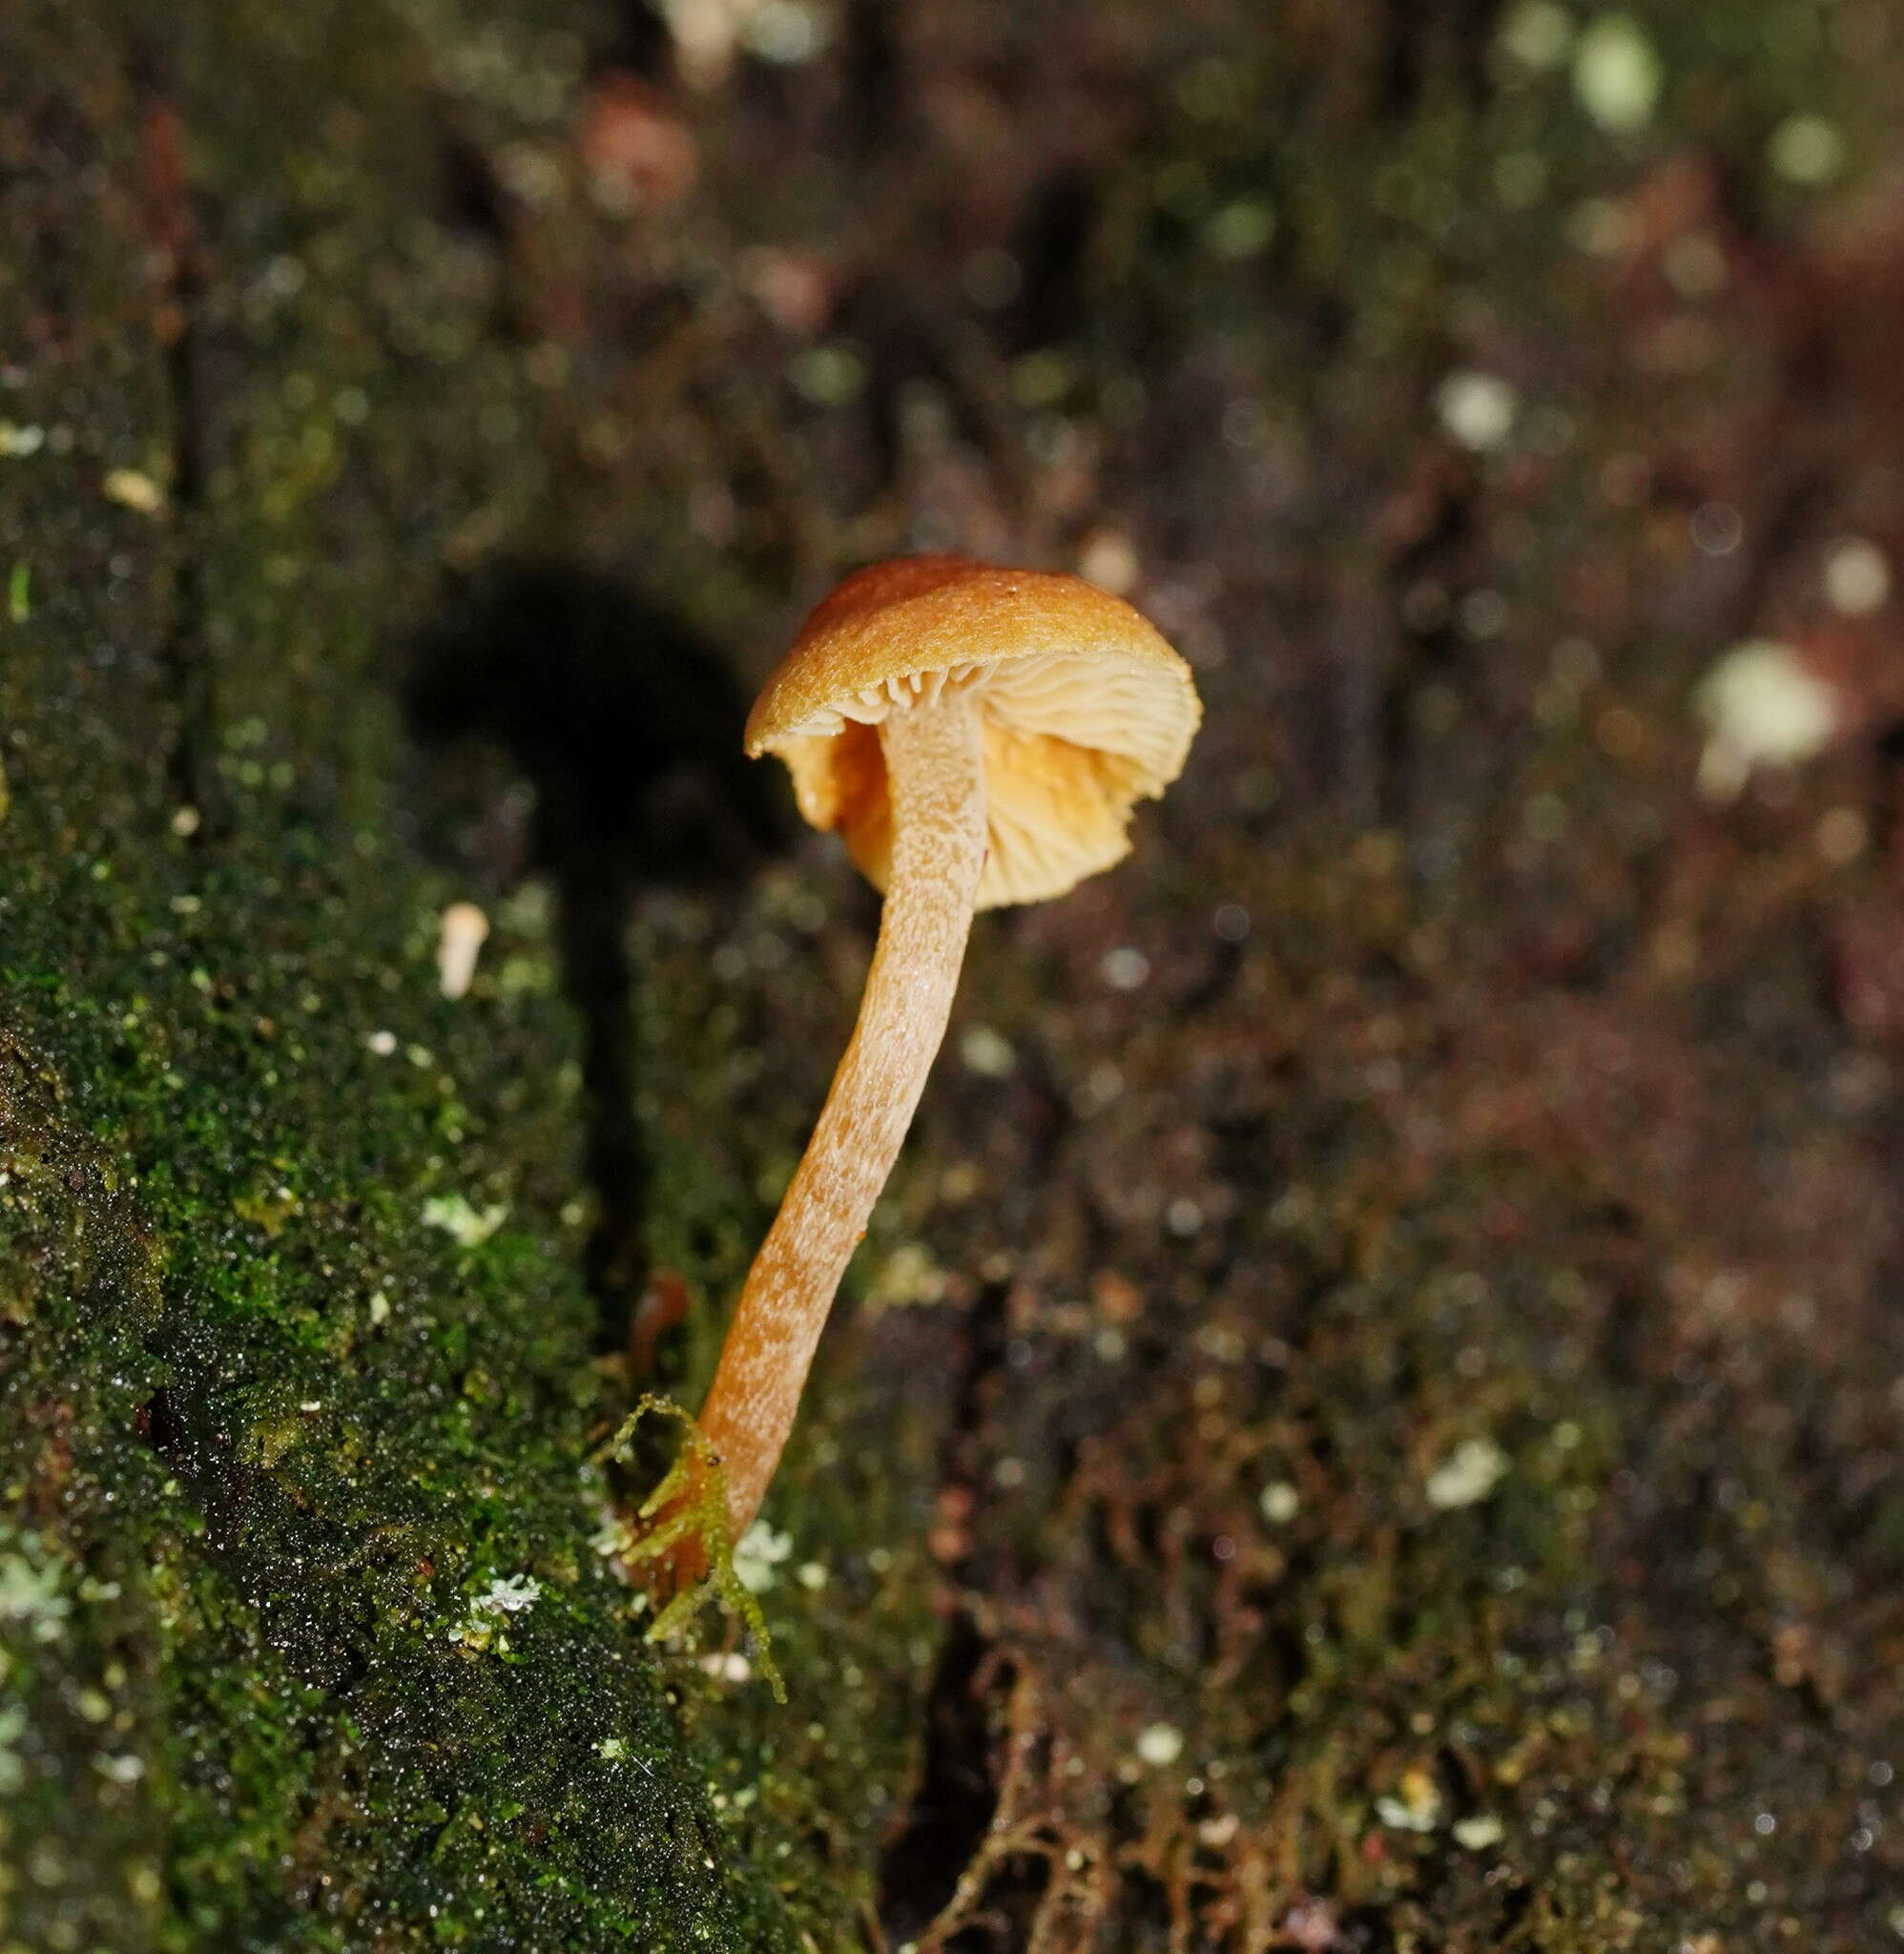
[683, 1563]
[678, 1566]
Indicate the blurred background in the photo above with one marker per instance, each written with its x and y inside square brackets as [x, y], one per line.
[1368, 1418]
[1455, 1159]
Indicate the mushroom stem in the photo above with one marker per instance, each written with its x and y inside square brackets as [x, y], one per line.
[934, 775]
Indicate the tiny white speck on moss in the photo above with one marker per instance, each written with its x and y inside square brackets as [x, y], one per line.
[506, 1595]
[1160, 1744]
[468, 1227]
[757, 1556]
[1467, 1475]
[1763, 706]
[1279, 1501]
[1617, 73]
[1478, 410]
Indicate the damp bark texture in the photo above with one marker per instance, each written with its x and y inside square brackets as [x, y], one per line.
[1378, 1425]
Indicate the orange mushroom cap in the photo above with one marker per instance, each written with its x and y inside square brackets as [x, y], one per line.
[1085, 711]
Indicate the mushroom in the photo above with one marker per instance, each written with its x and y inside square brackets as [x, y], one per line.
[977, 736]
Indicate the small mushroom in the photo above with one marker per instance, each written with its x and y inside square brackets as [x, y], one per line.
[977, 736]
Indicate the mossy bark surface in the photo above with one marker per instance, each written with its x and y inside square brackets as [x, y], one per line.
[1367, 1417]
[301, 1399]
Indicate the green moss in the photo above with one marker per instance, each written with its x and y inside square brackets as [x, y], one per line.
[274, 1418]
[309, 1641]
[291, 1503]
[695, 1486]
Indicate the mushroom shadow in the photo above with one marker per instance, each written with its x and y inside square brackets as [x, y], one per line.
[625, 723]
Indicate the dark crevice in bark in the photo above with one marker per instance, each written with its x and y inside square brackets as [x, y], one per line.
[180, 324]
[958, 1791]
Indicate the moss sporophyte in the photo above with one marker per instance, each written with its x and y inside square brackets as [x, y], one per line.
[686, 1519]
[979, 736]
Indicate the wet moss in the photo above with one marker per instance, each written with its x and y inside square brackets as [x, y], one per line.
[1331, 1431]
[279, 1429]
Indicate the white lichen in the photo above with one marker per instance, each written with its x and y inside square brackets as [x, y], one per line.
[1478, 409]
[757, 1556]
[467, 1226]
[481, 1630]
[30, 1591]
[1415, 1806]
[1617, 76]
[133, 488]
[1279, 1501]
[1467, 1475]
[1763, 706]
[1160, 1744]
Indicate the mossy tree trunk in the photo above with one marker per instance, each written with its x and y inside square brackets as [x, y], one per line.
[1367, 1417]
[300, 1393]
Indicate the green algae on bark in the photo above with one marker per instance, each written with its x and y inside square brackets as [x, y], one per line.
[308, 1639]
